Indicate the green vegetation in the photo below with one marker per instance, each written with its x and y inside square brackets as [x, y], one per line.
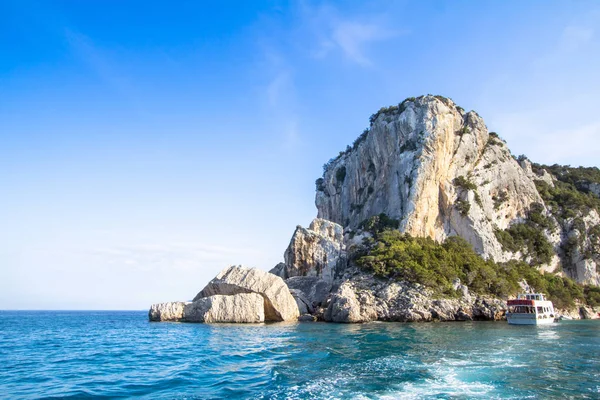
[463, 131]
[570, 195]
[565, 200]
[592, 295]
[529, 236]
[340, 174]
[394, 255]
[493, 142]
[379, 223]
[464, 183]
[463, 207]
[579, 177]
[320, 184]
[408, 145]
[361, 138]
[399, 109]
[500, 199]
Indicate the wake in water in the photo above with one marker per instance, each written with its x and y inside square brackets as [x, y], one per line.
[120, 354]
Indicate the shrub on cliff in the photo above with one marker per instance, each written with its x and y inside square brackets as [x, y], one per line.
[379, 223]
[565, 200]
[392, 254]
[340, 174]
[529, 236]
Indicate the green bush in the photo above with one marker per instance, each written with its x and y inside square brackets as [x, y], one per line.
[340, 174]
[565, 200]
[463, 207]
[464, 183]
[394, 255]
[320, 184]
[529, 238]
[592, 295]
[379, 223]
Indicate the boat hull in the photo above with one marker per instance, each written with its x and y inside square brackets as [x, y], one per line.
[528, 319]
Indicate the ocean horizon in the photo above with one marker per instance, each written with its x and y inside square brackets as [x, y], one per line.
[120, 354]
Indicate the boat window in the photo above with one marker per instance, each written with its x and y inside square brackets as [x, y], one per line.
[540, 310]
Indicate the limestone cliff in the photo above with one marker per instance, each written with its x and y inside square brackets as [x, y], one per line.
[437, 169]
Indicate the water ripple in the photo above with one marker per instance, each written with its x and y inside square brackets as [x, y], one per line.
[121, 355]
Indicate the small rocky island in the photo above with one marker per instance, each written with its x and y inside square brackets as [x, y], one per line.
[427, 216]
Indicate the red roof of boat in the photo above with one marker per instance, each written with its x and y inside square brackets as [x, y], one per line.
[520, 302]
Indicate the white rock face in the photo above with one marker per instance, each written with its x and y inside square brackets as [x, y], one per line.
[240, 308]
[279, 304]
[406, 167]
[349, 307]
[167, 311]
[243, 308]
[362, 297]
[317, 251]
[584, 253]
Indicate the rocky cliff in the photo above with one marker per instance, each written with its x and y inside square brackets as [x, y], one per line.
[427, 216]
[437, 169]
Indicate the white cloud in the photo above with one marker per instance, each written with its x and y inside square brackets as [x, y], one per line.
[351, 36]
[354, 37]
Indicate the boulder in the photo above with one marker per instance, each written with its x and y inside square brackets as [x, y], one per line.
[172, 311]
[314, 290]
[307, 318]
[587, 312]
[279, 304]
[349, 307]
[317, 251]
[242, 308]
[304, 305]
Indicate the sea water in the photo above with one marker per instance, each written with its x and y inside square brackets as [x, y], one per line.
[121, 354]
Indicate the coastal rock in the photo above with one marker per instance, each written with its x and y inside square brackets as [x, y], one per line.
[304, 305]
[162, 312]
[587, 312]
[279, 304]
[317, 251]
[307, 318]
[313, 290]
[240, 308]
[409, 165]
[582, 248]
[348, 306]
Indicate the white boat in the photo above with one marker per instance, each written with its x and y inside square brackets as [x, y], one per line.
[530, 309]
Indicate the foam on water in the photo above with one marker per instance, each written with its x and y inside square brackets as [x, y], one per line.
[121, 354]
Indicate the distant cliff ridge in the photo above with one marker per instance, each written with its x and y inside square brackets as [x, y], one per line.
[436, 168]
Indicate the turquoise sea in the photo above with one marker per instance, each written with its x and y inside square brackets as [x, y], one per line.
[56, 354]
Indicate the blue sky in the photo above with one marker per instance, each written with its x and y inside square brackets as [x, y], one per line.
[144, 146]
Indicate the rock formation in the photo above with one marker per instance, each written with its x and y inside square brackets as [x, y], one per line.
[241, 307]
[435, 171]
[279, 305]
[237, 294]
[167, 311]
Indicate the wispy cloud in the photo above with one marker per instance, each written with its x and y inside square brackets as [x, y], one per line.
[350, 36]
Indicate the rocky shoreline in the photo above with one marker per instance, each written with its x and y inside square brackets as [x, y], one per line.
[438, 173]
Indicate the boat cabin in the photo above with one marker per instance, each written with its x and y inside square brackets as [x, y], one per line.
[530, 309]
